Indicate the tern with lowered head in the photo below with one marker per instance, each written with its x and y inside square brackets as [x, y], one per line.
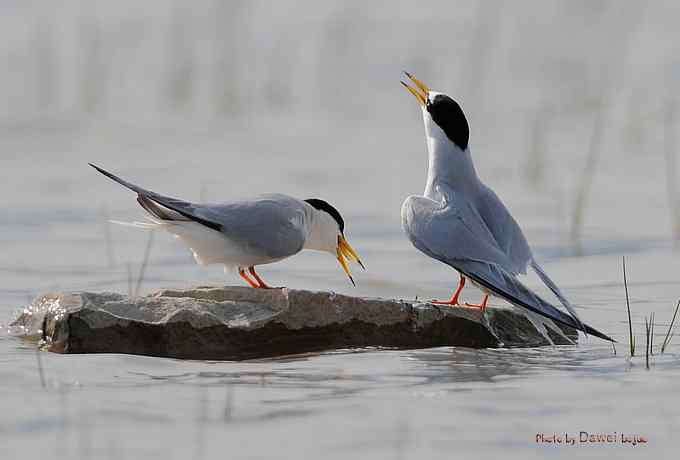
[244, 234]
[461, 222]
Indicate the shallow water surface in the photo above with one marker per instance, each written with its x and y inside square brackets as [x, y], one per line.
[231, 99]
[367, 403]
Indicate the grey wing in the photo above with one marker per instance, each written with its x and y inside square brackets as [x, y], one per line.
[504, 285]
[553, 287]
[454, 236]
[449, 232]
[511, 240]
[505, 229]
[273, 225]
[146, 198]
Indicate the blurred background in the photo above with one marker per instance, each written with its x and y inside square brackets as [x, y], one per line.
[573, 107]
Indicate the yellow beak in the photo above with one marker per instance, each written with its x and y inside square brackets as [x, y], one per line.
[343, 251]
[420, 91]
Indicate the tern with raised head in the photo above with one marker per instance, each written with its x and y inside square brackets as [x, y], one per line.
[244, 234]
[461, 222]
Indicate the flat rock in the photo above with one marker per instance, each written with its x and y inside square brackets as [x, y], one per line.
[233, 323]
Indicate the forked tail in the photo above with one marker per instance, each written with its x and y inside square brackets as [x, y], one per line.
[558, 293]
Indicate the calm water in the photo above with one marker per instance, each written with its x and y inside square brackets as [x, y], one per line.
[371, 404]
[339, 127]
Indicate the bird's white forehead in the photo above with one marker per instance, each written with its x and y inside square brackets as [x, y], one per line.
[432, 94]
[430, 97]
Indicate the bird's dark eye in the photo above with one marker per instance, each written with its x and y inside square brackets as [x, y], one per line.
[448, 115]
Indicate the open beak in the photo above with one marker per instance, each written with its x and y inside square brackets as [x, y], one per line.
[346, 252]
[420, 91]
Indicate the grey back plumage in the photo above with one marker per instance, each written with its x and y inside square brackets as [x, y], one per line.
[454, 232]
[505, 230]
[272, 225]
[511, 240]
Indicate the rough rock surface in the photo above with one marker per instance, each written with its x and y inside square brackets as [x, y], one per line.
[242, 323]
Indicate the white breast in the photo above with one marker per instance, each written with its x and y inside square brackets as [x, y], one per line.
[212, 247]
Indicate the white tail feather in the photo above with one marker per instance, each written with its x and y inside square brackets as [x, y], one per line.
[553, 287]
[144, 225]
[542, 324]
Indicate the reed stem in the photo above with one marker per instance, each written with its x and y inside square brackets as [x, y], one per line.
[630, 321]
[669, 333]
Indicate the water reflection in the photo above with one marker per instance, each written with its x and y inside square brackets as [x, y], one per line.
[396, 369]
[488, 365]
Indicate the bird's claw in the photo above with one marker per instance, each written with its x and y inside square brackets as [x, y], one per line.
[481, 307]
[446, 302]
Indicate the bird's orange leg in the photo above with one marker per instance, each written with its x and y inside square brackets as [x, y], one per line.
[262, 285]
[481, 306]
[252, 283]
[454, 299]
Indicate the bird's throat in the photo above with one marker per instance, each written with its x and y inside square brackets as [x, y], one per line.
[449, 168]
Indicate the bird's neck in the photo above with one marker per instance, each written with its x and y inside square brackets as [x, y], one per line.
[322, 231]
[449, 169]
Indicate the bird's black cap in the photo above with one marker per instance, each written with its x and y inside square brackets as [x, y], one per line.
[327, 207]
[450, 118]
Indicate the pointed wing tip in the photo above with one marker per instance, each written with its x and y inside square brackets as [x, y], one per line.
[103, 171]
[595, 333]
[556, 315]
